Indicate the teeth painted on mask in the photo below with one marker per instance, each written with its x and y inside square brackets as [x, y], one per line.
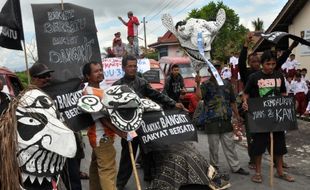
[40, 179]
[63, 161]
[32, 178]
[26, 154]
[47, 161]
[31, 165]
[48, 179]
[24, 177]
[52, 165]
[57, 163]
[40, 161]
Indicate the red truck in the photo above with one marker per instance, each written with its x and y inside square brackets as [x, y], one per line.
[11, 83]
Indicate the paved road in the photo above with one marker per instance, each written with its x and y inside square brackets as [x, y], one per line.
[298, 158]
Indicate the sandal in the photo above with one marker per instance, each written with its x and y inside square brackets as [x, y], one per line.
[285, 177]
[257, 178]
[83, 175]
[252, 166]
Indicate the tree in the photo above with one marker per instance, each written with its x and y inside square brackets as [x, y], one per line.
[230, 36]
[258, 24]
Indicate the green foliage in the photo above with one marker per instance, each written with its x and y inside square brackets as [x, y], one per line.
[23, 77]
[230, 36]
[152, 55]
[258, 24]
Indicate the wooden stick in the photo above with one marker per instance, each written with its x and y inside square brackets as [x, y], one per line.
[271, 159]
[26, 60]
[62, 5]
[134, 166]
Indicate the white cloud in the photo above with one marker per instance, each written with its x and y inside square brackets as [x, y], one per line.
[264, 2]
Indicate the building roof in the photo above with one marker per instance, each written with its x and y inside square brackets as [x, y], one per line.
[281, 23]
[167, 39]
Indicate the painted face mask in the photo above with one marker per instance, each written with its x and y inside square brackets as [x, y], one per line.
[44, 142]
[123, 106]
[187, 32]
[149, 105]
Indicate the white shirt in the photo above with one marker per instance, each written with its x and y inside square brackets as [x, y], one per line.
[289, 65]
[289, 86]
[300, 87]
[233, 61]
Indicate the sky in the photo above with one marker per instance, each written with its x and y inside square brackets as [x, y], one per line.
[107, 23]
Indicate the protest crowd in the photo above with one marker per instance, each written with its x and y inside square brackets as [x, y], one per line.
[218, 111]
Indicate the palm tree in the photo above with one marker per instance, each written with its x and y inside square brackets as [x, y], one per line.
[258, 24]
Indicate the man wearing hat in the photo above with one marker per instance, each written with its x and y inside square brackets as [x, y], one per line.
[40, 75]
[220, 103]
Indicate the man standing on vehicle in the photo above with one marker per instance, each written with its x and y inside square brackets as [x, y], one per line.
[132, 29]
[174, 85]
[143, 89]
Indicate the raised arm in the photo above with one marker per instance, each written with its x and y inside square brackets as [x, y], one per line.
[122, 20]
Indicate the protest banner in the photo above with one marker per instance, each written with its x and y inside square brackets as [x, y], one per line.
[112, 67]
[271, 114]
[159, 129]
[66, 39]
[65, 96]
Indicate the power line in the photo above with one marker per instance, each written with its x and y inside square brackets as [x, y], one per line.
[188, 5]
[161, 10]
[155, 8]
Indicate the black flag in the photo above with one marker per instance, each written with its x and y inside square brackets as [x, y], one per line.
[12, 27]
[276, 36]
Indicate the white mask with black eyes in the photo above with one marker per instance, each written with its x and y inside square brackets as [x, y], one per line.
[123, 106]
[44, 142]
[187, 32]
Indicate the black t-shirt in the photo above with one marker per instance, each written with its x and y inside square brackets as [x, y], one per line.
[263, 85]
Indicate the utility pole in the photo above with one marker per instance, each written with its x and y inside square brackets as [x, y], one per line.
[144, 27]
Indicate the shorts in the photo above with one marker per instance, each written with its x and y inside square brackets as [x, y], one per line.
[261, 141]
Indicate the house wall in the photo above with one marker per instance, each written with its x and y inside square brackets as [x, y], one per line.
[302, 23]
[175, 51]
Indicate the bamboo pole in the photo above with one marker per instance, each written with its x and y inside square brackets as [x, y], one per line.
[134, 166]
[26, 61]
[271, 159]
[62, 5]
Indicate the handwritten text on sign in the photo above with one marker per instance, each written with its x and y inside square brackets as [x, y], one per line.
[272, 114]
[112, 67]
[158, 130]
[66, 39]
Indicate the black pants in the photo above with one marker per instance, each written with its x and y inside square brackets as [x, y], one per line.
[72, 179]
[125, 167]
[249, 139]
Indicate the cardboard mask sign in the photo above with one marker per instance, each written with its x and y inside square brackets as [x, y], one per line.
[271, 114]
[159, 129]
[66, 39]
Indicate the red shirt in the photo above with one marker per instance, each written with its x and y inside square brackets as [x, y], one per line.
[193, 102]
[132, 26]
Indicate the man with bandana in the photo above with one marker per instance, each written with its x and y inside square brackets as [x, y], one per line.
[143, 89]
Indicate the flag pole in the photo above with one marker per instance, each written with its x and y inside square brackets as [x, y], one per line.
[62, 5]
[134, 166]
[26, 60]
